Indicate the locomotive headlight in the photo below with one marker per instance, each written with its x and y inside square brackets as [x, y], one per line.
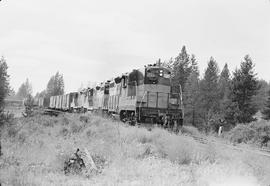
[161, 73]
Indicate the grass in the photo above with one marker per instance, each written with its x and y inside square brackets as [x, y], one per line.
[35, 150]
[250, 133]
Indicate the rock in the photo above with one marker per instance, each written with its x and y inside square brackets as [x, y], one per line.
[89, 163]
[74, 165]
[83, 162]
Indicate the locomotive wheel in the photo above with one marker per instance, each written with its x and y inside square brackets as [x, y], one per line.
[122, 117]
[141, 120]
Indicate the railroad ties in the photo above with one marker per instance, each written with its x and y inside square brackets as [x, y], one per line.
[52, 112]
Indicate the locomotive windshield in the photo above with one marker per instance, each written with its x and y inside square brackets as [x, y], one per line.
[158, 75]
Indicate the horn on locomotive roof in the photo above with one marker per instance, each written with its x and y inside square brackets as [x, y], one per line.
[158, 62]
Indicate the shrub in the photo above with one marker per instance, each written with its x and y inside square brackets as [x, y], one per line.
[64, 132]
[253, 132]
[91, 133]
[47, 122]
[6, 118]
[75, 128]
[241, 134]
[65, 121]
[12, 131]
[84, 119]
[190, 130]
[22, 137]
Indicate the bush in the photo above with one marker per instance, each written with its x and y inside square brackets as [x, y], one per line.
[64, 132]
[242, 134]
[22, 137]
[91, 133]
[6, 118]
[75, 128]
[12, 131]
[84, 119]
[251, 133]
[190, 130]
[65, 121]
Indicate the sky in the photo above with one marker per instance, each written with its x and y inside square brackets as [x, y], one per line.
[95, 40]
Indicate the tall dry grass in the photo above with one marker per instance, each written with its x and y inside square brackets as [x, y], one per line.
[251, 133]
[35, 150]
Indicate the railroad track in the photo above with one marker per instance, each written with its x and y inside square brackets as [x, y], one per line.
[205, 141]
[263, 152]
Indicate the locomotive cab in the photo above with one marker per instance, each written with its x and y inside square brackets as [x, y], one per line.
[156, 100]
[157, 75]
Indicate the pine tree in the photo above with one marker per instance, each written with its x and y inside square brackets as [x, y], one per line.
[224, 82]
[181, 68]
[191, 99]
[4, 82]
[244, 87]
[228, 109]
[191, 95]
[209, 92]
[24, 90]
[266, 111]
[262, 95]
[194, 65]
[55, 85]
[168, 64]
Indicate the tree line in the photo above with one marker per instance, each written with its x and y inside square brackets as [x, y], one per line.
[216, 97]
[209, 99]
[55, 86]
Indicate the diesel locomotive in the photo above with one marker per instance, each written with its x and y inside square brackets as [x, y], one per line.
[144, 95]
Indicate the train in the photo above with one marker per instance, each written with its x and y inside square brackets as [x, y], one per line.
[145, 95]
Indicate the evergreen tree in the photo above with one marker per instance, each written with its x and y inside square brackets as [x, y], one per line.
[266, 111]
[194, 65]
[192, 95]
[228, 109]
[209, 92]
[168, 64]
[191, 99]
[59, 81]
[50, 87]
[224, 83]
[4, 82]
[244, 87]
[24, 90]
[262, 95]
[181, 68]
[55, 85]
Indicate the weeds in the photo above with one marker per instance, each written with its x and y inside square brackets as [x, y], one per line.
[249, 133]
[75, 128]
[65, 121]
[12, 131]
[64, 132]
[125, 155]
[190, 130]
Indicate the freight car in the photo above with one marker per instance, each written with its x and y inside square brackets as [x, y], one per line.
[143, 95]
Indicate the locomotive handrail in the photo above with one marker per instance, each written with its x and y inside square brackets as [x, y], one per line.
[141, 104]
[181, 99]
